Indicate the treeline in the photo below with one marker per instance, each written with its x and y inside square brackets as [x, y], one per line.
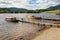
[4, 10]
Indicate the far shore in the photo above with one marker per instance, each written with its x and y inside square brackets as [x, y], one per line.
[52, 12]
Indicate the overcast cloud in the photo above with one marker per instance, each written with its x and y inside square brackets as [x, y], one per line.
[29, 4]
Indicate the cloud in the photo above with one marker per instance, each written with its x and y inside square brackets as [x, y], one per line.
[42, 4]
[13, 3]
[29, 4]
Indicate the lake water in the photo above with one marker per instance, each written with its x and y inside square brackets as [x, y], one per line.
[13, 31]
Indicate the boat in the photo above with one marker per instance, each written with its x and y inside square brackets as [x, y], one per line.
[34, 17]
[10, 19]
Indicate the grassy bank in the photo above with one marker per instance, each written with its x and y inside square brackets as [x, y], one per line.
[54, 11]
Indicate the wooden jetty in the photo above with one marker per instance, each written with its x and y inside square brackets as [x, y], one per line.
[36, 17]
[54, 19]
[42, 24]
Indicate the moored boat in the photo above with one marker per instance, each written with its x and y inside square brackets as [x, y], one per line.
[10, 19]
[34, 17]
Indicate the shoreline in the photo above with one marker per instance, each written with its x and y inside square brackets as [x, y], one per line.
[34, 34]
[50, 34]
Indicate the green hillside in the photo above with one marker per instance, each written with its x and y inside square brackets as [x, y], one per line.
[54, 11]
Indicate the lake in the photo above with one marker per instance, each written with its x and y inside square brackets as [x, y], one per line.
[13, 31]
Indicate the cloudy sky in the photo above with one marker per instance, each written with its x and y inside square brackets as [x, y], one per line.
[29, 4]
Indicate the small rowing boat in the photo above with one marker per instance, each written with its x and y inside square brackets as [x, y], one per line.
[34, 17]
[10, 19]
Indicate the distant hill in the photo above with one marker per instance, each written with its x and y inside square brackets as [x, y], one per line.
[57, 7]
[13, 8]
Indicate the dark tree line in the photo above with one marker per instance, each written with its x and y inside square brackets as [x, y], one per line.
[4, 10]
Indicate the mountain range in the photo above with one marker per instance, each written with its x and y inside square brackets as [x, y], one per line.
[57, 7]
[13, 8]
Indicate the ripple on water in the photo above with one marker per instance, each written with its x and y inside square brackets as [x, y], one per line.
[18, 31]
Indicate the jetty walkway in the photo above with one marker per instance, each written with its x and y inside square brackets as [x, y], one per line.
[42, 24]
